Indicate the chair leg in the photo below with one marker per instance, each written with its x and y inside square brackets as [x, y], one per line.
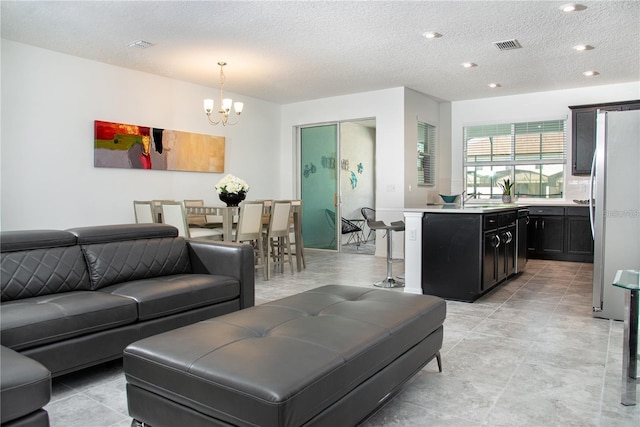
[389, 282]
[264, 259]
[439, 360]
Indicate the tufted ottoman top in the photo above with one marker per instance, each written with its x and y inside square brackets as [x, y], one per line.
[283, 362]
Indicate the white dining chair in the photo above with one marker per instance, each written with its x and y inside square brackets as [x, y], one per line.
[173, 213]
[209, 221]
[144, 212]
[278, 241]
[250, 230]
[295, 234]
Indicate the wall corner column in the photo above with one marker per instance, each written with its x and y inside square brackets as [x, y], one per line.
[413, 252]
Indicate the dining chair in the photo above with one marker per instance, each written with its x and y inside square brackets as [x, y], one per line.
[209, 221]
[157, 212]
[278, 241]
[173, 213]
[297, 244]
[144, 212]
[250, 230]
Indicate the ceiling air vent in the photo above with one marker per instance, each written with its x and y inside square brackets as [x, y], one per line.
[508, 44]
[140, 44]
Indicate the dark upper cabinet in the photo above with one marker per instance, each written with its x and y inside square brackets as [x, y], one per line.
[583, 132]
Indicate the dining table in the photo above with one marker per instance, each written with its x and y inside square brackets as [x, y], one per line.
[228, 213]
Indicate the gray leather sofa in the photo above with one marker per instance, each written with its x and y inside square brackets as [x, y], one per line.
[75, 298]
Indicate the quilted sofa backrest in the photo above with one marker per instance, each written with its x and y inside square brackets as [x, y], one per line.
[40, 262]
[121, 253]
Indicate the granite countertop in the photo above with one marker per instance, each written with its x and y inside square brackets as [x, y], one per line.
[469, 208]
[488, 207]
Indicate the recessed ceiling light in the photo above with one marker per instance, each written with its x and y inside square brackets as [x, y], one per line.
[469, 65]
[494, 85]
[432, 35]
[572, 7]
[591, 73]
[582, 47]
[140, 44]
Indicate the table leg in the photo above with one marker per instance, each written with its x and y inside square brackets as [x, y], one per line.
[630, 350]
[227, 225]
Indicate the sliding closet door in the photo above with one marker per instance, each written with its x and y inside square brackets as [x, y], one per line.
[319, 186]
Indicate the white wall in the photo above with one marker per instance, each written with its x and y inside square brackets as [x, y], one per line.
[420, 108]
[532, 106]
[49, 104]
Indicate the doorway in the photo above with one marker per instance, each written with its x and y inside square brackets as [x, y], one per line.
[336, 180]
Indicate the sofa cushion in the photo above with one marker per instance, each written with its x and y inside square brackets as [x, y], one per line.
[25, 385]
[124, 261]
[23, 240]
[37, 272]
[40, 320]
[165, 295]
[121, 232]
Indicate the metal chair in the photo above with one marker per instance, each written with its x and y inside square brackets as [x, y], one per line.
[347, 227]
[389, 281]
[369, 214]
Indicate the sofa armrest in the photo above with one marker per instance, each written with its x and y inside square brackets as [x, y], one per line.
[228, 259]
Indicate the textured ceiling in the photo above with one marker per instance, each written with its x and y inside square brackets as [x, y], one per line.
[289, 51]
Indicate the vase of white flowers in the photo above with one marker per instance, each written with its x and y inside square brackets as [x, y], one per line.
[232, 190]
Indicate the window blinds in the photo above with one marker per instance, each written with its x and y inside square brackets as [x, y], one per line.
[426, 154]
[541, 142]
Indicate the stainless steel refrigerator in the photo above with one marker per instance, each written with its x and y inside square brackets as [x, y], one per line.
[615, 207]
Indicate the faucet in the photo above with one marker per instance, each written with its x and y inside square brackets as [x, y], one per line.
[463, 199]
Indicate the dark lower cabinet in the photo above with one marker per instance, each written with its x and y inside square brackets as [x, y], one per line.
[579, 241]
[560, 233]
[465, 255]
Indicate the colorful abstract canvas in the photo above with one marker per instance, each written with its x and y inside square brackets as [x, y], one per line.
[119, 145]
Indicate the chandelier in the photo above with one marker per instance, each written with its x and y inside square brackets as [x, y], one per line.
[225, 105]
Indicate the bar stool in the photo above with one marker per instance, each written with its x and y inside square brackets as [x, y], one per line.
[389, 282]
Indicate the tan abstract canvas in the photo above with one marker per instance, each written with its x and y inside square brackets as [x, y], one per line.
[118, 145]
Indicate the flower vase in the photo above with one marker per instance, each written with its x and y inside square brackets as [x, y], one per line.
[506, 198]
[232, 199]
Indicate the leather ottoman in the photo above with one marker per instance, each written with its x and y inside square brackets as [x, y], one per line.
[328, 356]
[25, 387]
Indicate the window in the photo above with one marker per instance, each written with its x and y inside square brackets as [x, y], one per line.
[426, 154]
[531, 154]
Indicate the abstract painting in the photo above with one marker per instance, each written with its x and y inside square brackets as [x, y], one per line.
[118, 145]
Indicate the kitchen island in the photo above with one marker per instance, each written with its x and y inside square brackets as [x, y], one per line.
[461, 253]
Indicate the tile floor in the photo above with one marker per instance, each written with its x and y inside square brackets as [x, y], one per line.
[527, 354]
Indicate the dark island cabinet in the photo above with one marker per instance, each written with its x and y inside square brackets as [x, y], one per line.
[583, 132]
[560, 233]
[466, 255]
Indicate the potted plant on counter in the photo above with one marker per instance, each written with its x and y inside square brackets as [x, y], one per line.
[506, 186]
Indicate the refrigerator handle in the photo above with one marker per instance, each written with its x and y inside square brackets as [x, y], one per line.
[591, 205]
